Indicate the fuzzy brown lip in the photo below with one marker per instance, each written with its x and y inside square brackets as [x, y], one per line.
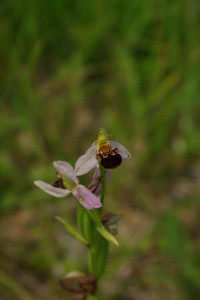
[58, 183]
[111, 161]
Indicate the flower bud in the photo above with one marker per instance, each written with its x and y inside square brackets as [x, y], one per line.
[79, 285]
[110, 221]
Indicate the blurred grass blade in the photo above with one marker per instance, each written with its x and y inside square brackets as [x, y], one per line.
[14, 286]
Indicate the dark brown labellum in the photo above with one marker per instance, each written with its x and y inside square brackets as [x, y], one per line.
[58, 183]
[111, 161]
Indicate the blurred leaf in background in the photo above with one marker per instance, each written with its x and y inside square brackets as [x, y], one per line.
[68, 68]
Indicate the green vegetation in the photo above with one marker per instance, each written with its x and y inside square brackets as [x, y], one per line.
[68, 68]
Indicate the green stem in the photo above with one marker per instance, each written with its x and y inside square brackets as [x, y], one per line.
[103, 183]
[85, 223]
[97, 236]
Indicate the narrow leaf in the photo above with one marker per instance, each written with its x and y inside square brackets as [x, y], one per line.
[107, 235]
[71, 230]
[98, 255]
[85, 223]
[94, 214]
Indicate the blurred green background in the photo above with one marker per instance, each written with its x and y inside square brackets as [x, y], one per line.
[68, 68]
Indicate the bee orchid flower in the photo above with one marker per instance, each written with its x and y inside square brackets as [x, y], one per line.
[69, 184]
[109, 153]
[95, 185]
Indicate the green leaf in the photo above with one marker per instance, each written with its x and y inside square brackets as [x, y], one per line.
[85, 223]
[98, 255]
[97, 220]
[94, 215]
[71, 230]
[107, 235]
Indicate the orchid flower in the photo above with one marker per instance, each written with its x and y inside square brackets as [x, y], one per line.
[95, 185]
[70, 184]
[108, 153]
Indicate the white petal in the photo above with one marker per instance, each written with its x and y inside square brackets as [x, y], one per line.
[49, 189]
[86, 197]
[125, 154]
[66, 169]
[87, 161]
